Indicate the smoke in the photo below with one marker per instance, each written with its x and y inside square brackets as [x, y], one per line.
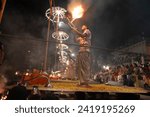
[24, 47]
[21, 52]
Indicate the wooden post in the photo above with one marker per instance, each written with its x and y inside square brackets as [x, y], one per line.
[47, 39]
[2, 9]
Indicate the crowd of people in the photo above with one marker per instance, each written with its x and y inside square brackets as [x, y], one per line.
[134, 75]
[20, 92]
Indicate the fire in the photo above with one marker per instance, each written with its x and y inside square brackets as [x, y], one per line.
[77, 12]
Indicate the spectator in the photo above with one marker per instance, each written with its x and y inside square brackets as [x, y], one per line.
[35, 94]
[18, 92]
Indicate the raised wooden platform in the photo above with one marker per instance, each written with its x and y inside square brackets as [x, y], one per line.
[71, 86]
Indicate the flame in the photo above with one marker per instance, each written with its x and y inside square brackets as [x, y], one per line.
[77, 12]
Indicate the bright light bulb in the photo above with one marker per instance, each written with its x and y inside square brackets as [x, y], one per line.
[73, 54]
[60, 24]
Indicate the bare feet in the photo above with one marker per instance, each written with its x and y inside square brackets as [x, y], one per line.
[83, 85]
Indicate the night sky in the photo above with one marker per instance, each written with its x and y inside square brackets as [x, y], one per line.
[113, 23]
[110, 21]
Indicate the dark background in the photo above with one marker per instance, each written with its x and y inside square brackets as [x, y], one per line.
[109, 20]
[113, 23]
